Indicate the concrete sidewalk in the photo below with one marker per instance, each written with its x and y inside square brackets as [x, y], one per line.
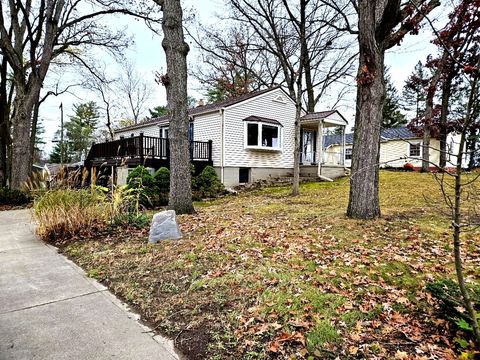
[49, 309]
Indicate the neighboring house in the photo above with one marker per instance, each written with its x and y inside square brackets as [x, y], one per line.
[246, 138]
[398, 146]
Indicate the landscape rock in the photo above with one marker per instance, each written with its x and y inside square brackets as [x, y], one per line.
[164, 227]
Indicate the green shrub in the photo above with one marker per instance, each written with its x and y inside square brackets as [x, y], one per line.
[64, 212]
[13, 197]
[140, 176]
[162, 178]
[144, 185]
[207, 184]
[138, 221]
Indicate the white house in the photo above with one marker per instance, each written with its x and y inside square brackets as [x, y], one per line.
[398, 146]
[246, 138]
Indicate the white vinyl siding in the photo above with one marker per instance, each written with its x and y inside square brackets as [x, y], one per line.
[148, 130]
[264, 105]
[209, 127]
[395, 153]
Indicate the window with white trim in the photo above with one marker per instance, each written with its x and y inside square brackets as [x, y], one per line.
[415, 150]
[262, 135]
[164, 132]
[348, 154]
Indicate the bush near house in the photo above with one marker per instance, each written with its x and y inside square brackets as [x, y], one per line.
[14, 197]
[153, 190]
[144, 186]
[207, 184]
[162, 180]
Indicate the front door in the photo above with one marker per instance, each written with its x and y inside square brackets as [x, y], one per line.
[308, 147]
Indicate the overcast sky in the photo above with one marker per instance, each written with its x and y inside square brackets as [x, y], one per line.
[147, 56]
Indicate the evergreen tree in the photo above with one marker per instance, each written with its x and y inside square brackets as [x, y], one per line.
[158, 111]
[56, 156]
[392, 116]
[80, 129]
[39, 141]
[414, 94]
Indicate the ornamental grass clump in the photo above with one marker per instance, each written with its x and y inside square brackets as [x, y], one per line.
[64, 212]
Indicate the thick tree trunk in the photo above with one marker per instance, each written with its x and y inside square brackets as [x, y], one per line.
[21, 121]
[175, 81]
[4, 123]
[364, 197]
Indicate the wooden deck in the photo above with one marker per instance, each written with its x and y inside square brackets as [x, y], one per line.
[144, 150]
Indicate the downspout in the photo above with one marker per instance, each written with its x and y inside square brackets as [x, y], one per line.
[320, 152]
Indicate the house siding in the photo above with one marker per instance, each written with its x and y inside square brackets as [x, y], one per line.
[149, 130]
[395, 153]
[209, 127]
[263, 106]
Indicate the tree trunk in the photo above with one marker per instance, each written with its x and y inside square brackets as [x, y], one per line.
[426, 148]
[364, 197]
[446, 91]
[33, 131]
[471, 147]
[298, 98]
[296, 150]
[309, 84]
[21, 121]
[175, 81]
[4, 123]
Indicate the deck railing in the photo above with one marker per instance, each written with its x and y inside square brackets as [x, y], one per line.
[142, 147]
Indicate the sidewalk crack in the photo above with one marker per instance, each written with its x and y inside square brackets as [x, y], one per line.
[53, 302]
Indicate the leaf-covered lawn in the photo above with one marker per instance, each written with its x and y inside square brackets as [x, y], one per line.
[264, 275]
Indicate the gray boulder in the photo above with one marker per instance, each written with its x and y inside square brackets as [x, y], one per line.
[164, 227]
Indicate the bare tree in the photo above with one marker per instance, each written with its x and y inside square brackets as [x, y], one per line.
[175, 82]
[462, 197]
[382, 24]
[311, 53]
[135, 90]
[35, 34]
[232, 57]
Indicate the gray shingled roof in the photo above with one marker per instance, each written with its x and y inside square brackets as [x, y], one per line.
[386, 134]
[318, 115]
[205, 108]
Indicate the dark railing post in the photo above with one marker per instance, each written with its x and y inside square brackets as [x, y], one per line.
[191, 146]
[210, 147]
[141, 148]
[168, 149]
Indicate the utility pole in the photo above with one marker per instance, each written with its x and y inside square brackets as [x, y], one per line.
[62, 150]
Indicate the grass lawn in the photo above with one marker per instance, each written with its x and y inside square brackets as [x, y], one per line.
[264, 275]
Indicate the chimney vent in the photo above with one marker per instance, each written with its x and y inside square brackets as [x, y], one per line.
[200, 103]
